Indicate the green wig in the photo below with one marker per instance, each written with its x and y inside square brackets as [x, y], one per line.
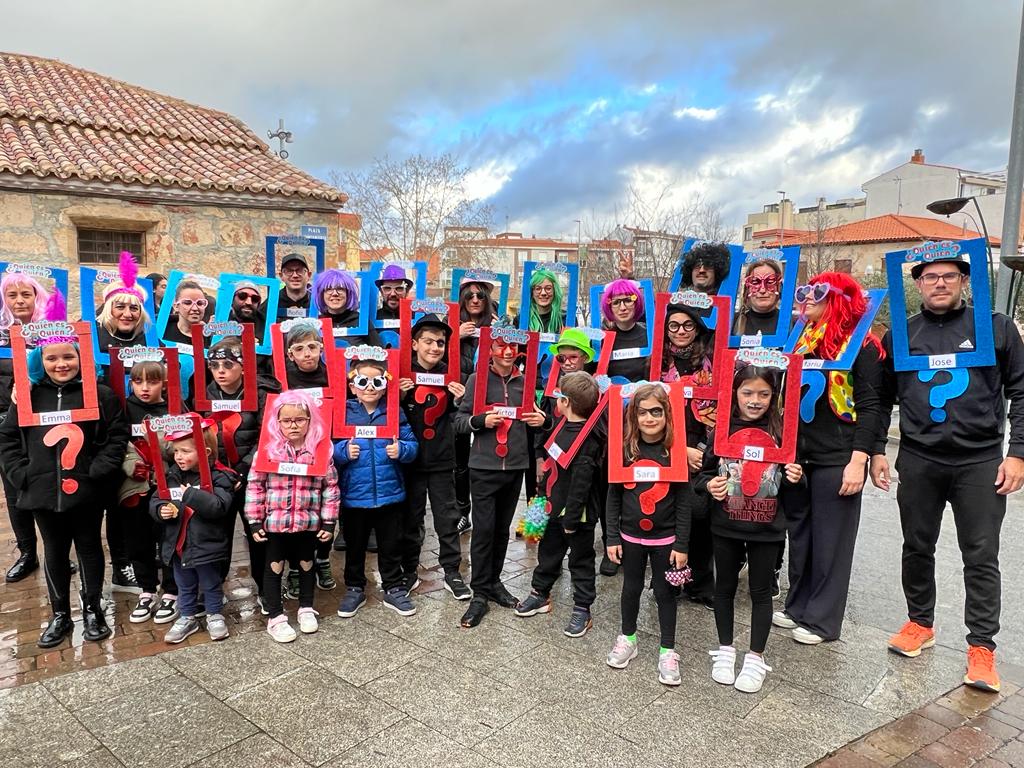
[555, 323]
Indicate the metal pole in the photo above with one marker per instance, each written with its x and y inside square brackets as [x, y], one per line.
[1014, 185]
[988, 245]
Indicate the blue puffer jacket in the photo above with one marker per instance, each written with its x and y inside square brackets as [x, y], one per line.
[373, 479]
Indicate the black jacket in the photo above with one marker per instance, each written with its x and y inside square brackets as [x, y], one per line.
[765, 323]
[630, 368]
[671, 518]
[35, 470]
[207, 530]
[6, 384]
[437, 439]
[299, 379]
[285, 302]
[350, 319]
[973, 429]
[575, 492]
[246, 435]
[105, 339]
[136, 410]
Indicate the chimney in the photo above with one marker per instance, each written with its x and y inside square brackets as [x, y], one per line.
[917, 157]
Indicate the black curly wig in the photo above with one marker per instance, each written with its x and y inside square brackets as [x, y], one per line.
[715, 255]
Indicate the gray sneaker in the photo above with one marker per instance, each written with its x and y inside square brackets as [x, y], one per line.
[182, 628]
[216, 626]
[668, 668]
[623, 652]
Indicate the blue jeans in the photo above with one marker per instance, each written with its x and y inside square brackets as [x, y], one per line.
[191, 581]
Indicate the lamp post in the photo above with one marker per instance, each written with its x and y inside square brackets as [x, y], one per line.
[952, 205]
[1005, 298]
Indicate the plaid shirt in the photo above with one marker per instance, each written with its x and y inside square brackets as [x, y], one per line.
[293, 503]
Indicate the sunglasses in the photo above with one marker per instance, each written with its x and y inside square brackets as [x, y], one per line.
[227, 365]
[298, 421]
[686, 325]
[359, 381]
[250, 298]
[198, 303]
[655, 413]
[479, 295]
[816, 293]
[563, 359]
[769, 283]
[624, 301]
[701, 264]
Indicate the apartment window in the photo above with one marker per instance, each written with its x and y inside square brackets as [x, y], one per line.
[844, 265]
[748, 233]
[104, 246]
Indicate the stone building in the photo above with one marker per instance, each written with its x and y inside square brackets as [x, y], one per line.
[91, 166]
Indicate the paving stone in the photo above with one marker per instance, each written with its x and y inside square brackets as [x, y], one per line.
[846, 758]
[995, 728]
[971, 702]
[257, 750]
[991, 762]
[37, 732]
[944, 756]
[410, 744]
[95, 686]
[971, 741]
[905, 736]
[873, 753]
[1013, 705]
[1011, 753]
[941, 715]
[917, 761]
[1002, 717]
[100, 758]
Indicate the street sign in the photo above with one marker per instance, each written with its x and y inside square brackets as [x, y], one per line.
[313, 233]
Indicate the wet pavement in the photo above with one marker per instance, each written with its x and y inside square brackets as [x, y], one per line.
[380, 689]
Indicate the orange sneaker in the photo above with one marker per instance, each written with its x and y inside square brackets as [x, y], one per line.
[981, 669]
[912, 639]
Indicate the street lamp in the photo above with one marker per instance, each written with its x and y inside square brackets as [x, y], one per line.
[952, 205]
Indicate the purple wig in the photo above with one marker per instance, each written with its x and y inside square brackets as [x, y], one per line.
[622, 287]
[278, 448]
[335, 278]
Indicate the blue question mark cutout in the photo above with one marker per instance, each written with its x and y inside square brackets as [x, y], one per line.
[815, 382]
[942, 394]
[388, 338]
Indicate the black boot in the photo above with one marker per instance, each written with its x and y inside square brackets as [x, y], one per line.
[95, 624]
[60, 626]
[23, 566]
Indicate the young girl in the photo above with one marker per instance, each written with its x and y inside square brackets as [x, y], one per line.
[639, 531]
[751, 527]
[148, 382]
[193, 536]
[292, 512]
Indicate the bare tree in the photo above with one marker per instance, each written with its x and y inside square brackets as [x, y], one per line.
[817, 254]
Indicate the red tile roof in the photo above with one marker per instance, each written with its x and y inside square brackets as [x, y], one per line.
[883, 229]
[60, 121]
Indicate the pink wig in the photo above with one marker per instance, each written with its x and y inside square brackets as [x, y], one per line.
[20, 278]
[622, 287]
[278, 448]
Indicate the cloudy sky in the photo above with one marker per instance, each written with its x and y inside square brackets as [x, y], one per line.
[560, 107]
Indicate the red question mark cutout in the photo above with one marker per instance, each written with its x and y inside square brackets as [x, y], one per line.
[432, 412]
[649, 499]
[69, 453]
[551, 467]
[502, 434]
[753, 471]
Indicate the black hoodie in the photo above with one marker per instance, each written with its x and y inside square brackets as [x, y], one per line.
[299, 379]
[630, 368]
[574, 491]
[246, 435]
[437, 451]
[670, 519]
[350, 319]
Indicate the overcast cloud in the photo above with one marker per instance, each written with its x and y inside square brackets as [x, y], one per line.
[560, 106]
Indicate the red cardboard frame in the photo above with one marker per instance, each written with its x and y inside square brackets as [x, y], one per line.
[162, 425]
[279, 353]
[390, 429]
[603, 360]
[450, 311]
[555, 451]
[677, 471]
[90, 410]
[755, 444]
[249, 401]
[166, 355]
[321, 458]
[531, 339]
[723, 308]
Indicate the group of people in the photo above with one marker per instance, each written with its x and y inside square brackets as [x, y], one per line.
[690, 540]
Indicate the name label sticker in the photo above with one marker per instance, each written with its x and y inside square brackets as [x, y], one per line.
[548, 338]
[291, 468]
[177, 494]
[688, 393]
[138, 430]
[554, 451]
[646, 474]
[295, 312]
[430, 379]
[942, 361]
[389, 323]
[506, 411]
[366, 431]
[753, 453]
[626, 354]
[813, 364]
[226, 405]
[55, 417]
[750, 341]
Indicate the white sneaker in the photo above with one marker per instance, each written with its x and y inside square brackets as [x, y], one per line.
[307, 621]
[622, 653]
[668, 668]
[723, 664]
[806, 637]
[279, 629]
[751, 677]
[782, 619]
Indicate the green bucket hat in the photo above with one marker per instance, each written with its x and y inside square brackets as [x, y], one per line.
[575, 338]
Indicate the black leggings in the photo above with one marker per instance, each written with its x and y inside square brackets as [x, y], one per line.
[281, 548]
[761, 557]
[634, 568]
[59, 530]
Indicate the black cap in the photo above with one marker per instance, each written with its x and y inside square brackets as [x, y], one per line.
[431, 320]
[963, 266]
[288, 257]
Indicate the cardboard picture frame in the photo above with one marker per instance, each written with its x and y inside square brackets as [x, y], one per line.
[984, 353]
[48, 277]
[722, 306]
[753, 444]
[21, 336]
[389, 329]
[278, 336]
[606, 340]
[367, 310]
[226, 295]
[529, 339]
[121, 361]
[789, 258]
[163, 425]
[343, 430]
[449, 310]
[88, 279]
[644, 471]
[563, 456]
[271, 242]
[726, 288]
[597, 319]
[322, 457]
[844, 362]
[501, 279]
[210, 286]
[202, 337]
[571, 308]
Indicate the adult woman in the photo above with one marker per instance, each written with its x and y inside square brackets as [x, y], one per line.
[622, 307]
[122, 320]
[546, 313]
[159, 283]
[833, 448]
[336, 296]
[759, 307]
[24, 300]
[190, 305]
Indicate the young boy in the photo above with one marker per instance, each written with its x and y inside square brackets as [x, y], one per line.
[433, 471]
[498, 458]
[572, 495]
[372, 490]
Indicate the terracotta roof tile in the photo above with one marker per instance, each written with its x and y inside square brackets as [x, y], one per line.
[881, 229]
[61, 121]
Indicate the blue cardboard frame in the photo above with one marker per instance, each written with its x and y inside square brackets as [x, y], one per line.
[59, 277]
[789, 257]
[729, 285]
[211, 286]
[571, 297]
[845, 361]
[647, 287]
[272, 241]
[501, 278]
[226, 294]
[88, 277]
[388, 329]
[367, 309]
[984, 353]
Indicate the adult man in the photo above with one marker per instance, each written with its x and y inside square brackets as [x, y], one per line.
[246, 307]
[294, 298]
[393, 286]
[953, 455]
[705, 267]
